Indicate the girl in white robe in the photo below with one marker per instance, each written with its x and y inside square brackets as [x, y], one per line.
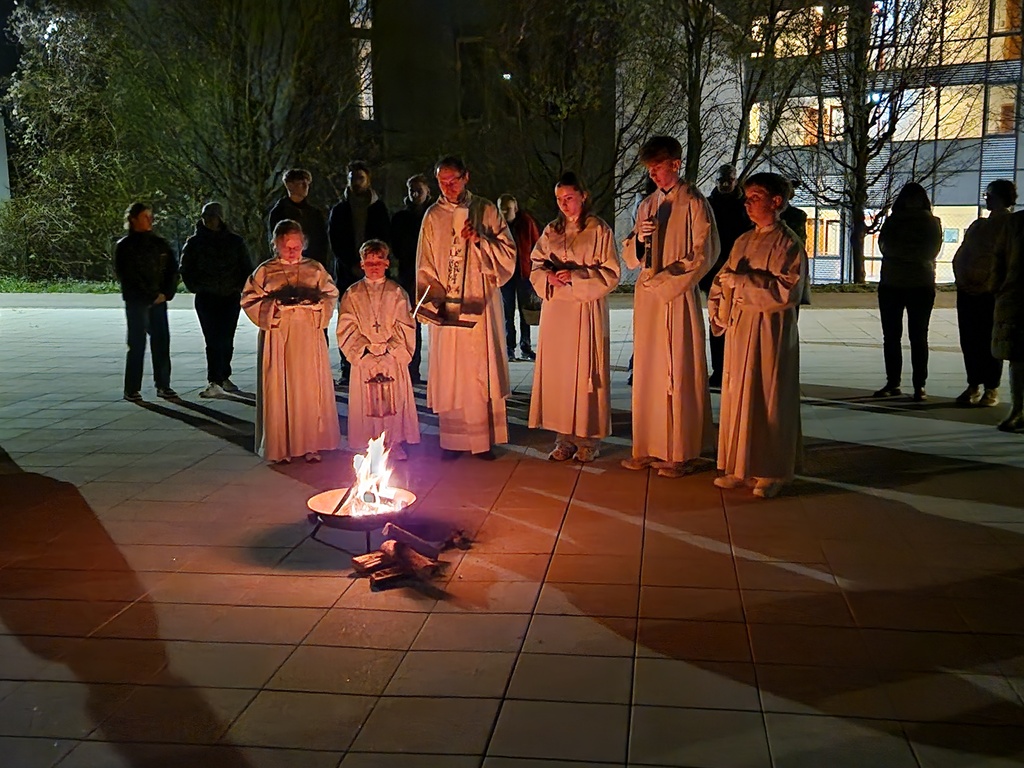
[574, 267]
[755, 297]
[291, 300]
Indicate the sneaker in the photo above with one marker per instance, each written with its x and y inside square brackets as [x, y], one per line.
[528, 354]
[229, 386]
[133, 397]
[729, 482]
[212, 390]
[637, 463]
[920, 395]
[767, 488]
[487, 455]
[511, 357]
[1012, 423]
[888, 390]
[166, 393]
[398, 453]
[969, 396]
[586, 454]
[990, 398]
[313, 457]
[563, 452]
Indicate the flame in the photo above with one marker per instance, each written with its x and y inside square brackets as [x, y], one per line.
[372, 495]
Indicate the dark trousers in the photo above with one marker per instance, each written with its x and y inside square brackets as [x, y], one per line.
[974, 313]
[417, 355]
[716, 344]
[517, 289]
[147, 320]
[218, 317]
[917, 303]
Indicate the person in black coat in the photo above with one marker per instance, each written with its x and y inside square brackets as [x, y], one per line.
[910, 241]
[359, 216]
[731, 218]
[147, 269]
[405, 235]
[296, 206]
[215, 266]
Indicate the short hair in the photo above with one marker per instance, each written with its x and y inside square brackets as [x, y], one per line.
[570, 179]
[727, 169]
[772, 183]
[374, 246]
[297, 174]
[1005, 190]
[359, 165]
[452, 162]
[504, 198]
[913, 197]
[287, 227]
[660, 148]
[133, 211]
[418, 178]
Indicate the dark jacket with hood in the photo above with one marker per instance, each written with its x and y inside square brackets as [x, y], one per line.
[343, 235]
[405, 238]
[910, 241]
[215, 261]
[313, 224]
[146, 267]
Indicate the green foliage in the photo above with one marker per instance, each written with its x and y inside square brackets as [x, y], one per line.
[174, 104]
[22, 285]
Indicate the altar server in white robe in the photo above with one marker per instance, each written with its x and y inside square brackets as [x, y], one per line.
[291, 299]
[377, 335]
[675, 242]
[755, 298]
[465, 254]
[574, 267]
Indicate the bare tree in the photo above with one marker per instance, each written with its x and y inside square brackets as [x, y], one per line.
[886, 103]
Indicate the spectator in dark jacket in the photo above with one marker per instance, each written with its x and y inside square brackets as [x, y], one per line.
[796, 220]
[148, 272]
[359, 216]
[731, 218]
[518, 289]
[910, 240]
[1008, 320]
[296, 206]
[215, 266]
[405, 235]
[973, 266]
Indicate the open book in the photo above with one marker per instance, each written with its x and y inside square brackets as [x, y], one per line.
[427, 314]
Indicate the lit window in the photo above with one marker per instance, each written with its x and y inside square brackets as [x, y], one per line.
[960, 111]
[1005, 15]
[364, 73]
[1001, 117]
[359, 14]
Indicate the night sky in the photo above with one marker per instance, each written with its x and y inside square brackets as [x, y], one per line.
[8, 52]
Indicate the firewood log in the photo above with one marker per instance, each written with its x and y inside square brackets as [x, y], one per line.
[425, 548]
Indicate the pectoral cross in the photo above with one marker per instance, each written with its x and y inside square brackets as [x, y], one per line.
[376, 326]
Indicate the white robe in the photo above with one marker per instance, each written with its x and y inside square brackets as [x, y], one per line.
[755, 298]
[296, 412]
[378, 318]
[671, 400]
[572, 378]
[468, 378]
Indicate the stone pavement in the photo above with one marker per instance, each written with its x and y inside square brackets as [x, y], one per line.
[162, 604]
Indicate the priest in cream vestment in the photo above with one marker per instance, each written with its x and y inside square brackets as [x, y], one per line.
[675, 242]
[754, 301]
[574, 267]
[291, 299]
[465, 254]
[377, 335]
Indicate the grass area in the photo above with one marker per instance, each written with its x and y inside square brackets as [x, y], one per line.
[21, 285]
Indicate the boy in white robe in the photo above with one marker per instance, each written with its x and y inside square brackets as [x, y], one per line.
[675, 241]
[377, 335]
[755, 296]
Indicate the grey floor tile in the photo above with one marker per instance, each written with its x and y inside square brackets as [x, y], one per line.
[582, 635]
[384, 760]
[428, 725]
[361, 628]
[58, 710]
[947, 745]
[452, 673]
[330, 669]
[593, 679]
[221, 665]
[34, 753]
[703, 684]
[301, 720]
[183, 715]
[698, 737]
[801, 741]
[133, 754]
[564, 731]
[472, 632]
[696, 640]
[811, 690]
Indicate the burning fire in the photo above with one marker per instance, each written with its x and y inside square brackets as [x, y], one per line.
[371, 494]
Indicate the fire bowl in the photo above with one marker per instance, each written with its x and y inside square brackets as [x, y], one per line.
[322, 505]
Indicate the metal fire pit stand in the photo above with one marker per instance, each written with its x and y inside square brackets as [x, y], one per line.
[320, 515]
